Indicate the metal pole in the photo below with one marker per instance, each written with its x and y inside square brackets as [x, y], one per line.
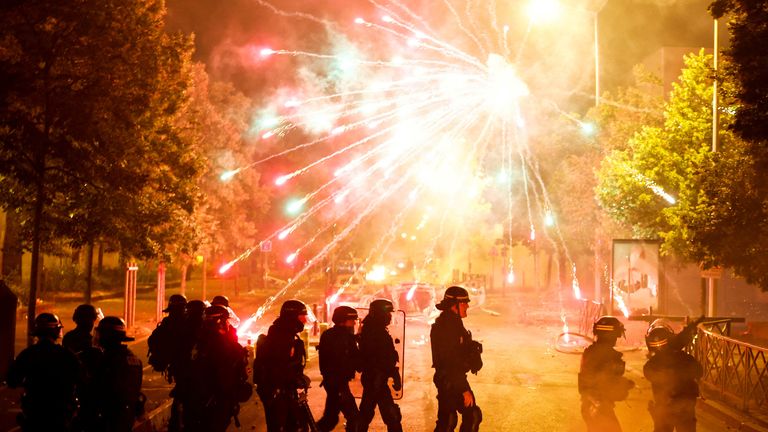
[711, 280]
[205, 278]
[597, 66]
[160, 292]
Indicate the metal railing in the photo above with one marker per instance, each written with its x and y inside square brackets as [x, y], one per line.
[736, 371]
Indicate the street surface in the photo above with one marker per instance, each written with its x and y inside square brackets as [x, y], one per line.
[525, 384]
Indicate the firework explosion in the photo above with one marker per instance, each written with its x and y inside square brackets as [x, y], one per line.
[407, 124]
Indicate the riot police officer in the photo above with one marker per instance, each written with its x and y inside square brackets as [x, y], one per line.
[278, 369]
[48, 372]
[116, 378]
[601, 381]
[168, 346]
[80, 338]
[673, 375]
[218, 381]
[339, 360]
[234, 321]
[454, 353]
[379, 363]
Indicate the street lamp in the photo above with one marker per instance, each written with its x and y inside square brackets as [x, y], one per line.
[540, 11]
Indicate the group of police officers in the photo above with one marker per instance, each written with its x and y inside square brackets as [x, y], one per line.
[93, 383]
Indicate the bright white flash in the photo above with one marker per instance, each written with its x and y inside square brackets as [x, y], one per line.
[504, 87]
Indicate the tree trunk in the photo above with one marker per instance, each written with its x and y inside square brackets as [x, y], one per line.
[100, 262]
[184, 268]
[12, 248]
[89, 273]
[35, 265]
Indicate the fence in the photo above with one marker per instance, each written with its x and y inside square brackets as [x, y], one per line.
[735, 370]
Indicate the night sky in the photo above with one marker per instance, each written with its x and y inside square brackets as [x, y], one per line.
[630, 30]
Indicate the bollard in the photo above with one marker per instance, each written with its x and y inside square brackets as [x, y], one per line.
[130, 294]
[8, 305]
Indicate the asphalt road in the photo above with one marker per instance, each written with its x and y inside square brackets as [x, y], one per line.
[525, 384]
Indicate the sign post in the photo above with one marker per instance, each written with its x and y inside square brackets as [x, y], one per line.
[160, 292]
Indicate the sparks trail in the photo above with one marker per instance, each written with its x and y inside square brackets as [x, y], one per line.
[398, 107]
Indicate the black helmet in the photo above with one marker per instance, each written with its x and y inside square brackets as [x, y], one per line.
[343, 313]
[220, 300]
[85, 314]
[47, 324]
[112, 328]
[176, 302]
[381, 306]
[292, 308]
[608, 326]
[452, 296]
[216, 313]
[659, 337]
[195, 308]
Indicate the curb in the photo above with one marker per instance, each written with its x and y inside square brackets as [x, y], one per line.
[738, 420]
[155, 420]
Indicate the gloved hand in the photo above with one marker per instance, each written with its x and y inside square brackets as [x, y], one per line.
[397, 383]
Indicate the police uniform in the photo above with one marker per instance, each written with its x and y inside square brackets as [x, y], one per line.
[454, 353]
[601, 382]
[116, 378]
[379, 363]
[673, 375]
[278, 370]
[339, 359]
[48, 372]
[218, 377]
[78, 339]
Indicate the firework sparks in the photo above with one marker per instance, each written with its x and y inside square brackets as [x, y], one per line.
[403, 119]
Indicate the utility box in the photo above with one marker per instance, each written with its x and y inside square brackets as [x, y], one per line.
[8, 305]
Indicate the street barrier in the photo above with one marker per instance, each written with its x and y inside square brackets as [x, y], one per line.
[737, 371]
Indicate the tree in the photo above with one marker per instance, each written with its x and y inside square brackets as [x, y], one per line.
[90, 91]
[717, 213]
[735, 200]
[217, 121]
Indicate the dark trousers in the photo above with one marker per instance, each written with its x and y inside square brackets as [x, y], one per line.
[376, 393]
[281, 409]
[599, 415]
[338, 399]
[676, 415]
[450, 403]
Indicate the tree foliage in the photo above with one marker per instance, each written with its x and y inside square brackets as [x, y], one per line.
[90, 90]
[716, 208]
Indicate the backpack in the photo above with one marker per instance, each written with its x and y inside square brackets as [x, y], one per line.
[160, 348]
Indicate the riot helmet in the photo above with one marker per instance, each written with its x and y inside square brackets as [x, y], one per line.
[293, 309]
[659, 337]
[342, 314]
[195, 308]
[176, 302]
[453, 295]
[47, 325]
[220, 300]
[111, 329]
[608, 327]
[85, 315]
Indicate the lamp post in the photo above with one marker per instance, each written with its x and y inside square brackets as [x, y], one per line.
[710, 280]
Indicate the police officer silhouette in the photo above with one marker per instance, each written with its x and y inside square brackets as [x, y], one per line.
[454, 353]
[48, 372]
[339, 360]
[379, 363]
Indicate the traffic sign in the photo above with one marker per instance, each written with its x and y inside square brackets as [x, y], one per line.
[712, 272]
